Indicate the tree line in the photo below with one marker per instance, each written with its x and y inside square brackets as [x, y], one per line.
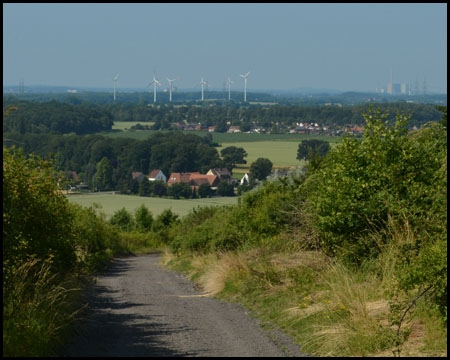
[87, 117]
[105, 163]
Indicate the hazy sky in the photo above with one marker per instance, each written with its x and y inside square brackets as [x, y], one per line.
[349, 47]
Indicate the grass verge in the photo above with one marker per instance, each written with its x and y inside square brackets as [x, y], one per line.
[327, 308]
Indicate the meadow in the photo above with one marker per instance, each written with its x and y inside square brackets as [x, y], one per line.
[109, 203]
[280, 149]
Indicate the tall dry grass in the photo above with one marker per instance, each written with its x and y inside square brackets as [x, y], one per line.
[37, 309]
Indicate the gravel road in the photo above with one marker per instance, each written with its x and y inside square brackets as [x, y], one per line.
[138, 308]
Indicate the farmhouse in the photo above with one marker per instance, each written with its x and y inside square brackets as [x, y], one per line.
[156, 175]
[194, 179]
[223, 174]
[234, 129]
[137, 175]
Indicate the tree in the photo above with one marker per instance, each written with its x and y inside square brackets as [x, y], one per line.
[233, 155]
[260, 169]
[123, 219]
[145, 188]
[443, 121]
[204, 190]
[225, 189]
[143, 218]
[179, 190]
[309, 149]
[104, 175]
[159, 188]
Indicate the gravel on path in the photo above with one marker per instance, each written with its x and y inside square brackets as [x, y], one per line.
[138, 308]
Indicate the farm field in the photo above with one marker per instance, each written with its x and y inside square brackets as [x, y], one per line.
[281, 149]
[124, 125]
[109, 203]
[280, 153]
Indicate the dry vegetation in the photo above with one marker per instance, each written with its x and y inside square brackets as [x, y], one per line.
[347, 311]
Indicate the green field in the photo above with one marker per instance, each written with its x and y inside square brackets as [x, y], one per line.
[281, 149]
[124, 125]
[281, 153]
[109, 203]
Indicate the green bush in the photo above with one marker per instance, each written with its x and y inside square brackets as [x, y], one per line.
[97, 240]
[37, 218]
[143, 219]
[362, 182]
[391, 175]
[123, 219]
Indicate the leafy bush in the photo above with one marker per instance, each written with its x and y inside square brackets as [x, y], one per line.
[360, 183]
[203, 230]
[97, 241]
[204, 190]
[390, 175]
[225, 189]
[123, 219]
[37, 219]
[143, 219]
[262, 213]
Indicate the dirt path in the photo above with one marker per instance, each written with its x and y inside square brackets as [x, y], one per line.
[140, 309]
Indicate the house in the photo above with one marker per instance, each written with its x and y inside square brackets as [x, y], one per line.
[234, 129]
[223, 174]
[176, 178]
[194, 179]
[137, 175]
[157, 174]
[245, 179]
[197, 179]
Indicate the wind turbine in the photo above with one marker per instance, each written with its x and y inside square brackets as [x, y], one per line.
[154, 82]
[229, 88]
[245, 85]
[170, 88]
[203, 83]
[115, 79]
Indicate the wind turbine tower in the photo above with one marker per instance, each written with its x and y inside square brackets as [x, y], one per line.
[116, 79]
[170, 88]
[229, 88]
[154, 82]
[203, 83]
[245, 85]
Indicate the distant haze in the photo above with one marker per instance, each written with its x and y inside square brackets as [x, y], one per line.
[346, 47]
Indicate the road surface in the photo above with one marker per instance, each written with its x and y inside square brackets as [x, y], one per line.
[138, 308]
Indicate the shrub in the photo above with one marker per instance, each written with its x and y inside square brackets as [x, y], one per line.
[96, 241]
[37, 218]
[123, 220]
[360, 183]
[390, 175]
[143, 219]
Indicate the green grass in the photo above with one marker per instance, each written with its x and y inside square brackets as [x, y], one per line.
[123, 125]
[280, 153]
[281, 149]
[109, 203]
[251, 137]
